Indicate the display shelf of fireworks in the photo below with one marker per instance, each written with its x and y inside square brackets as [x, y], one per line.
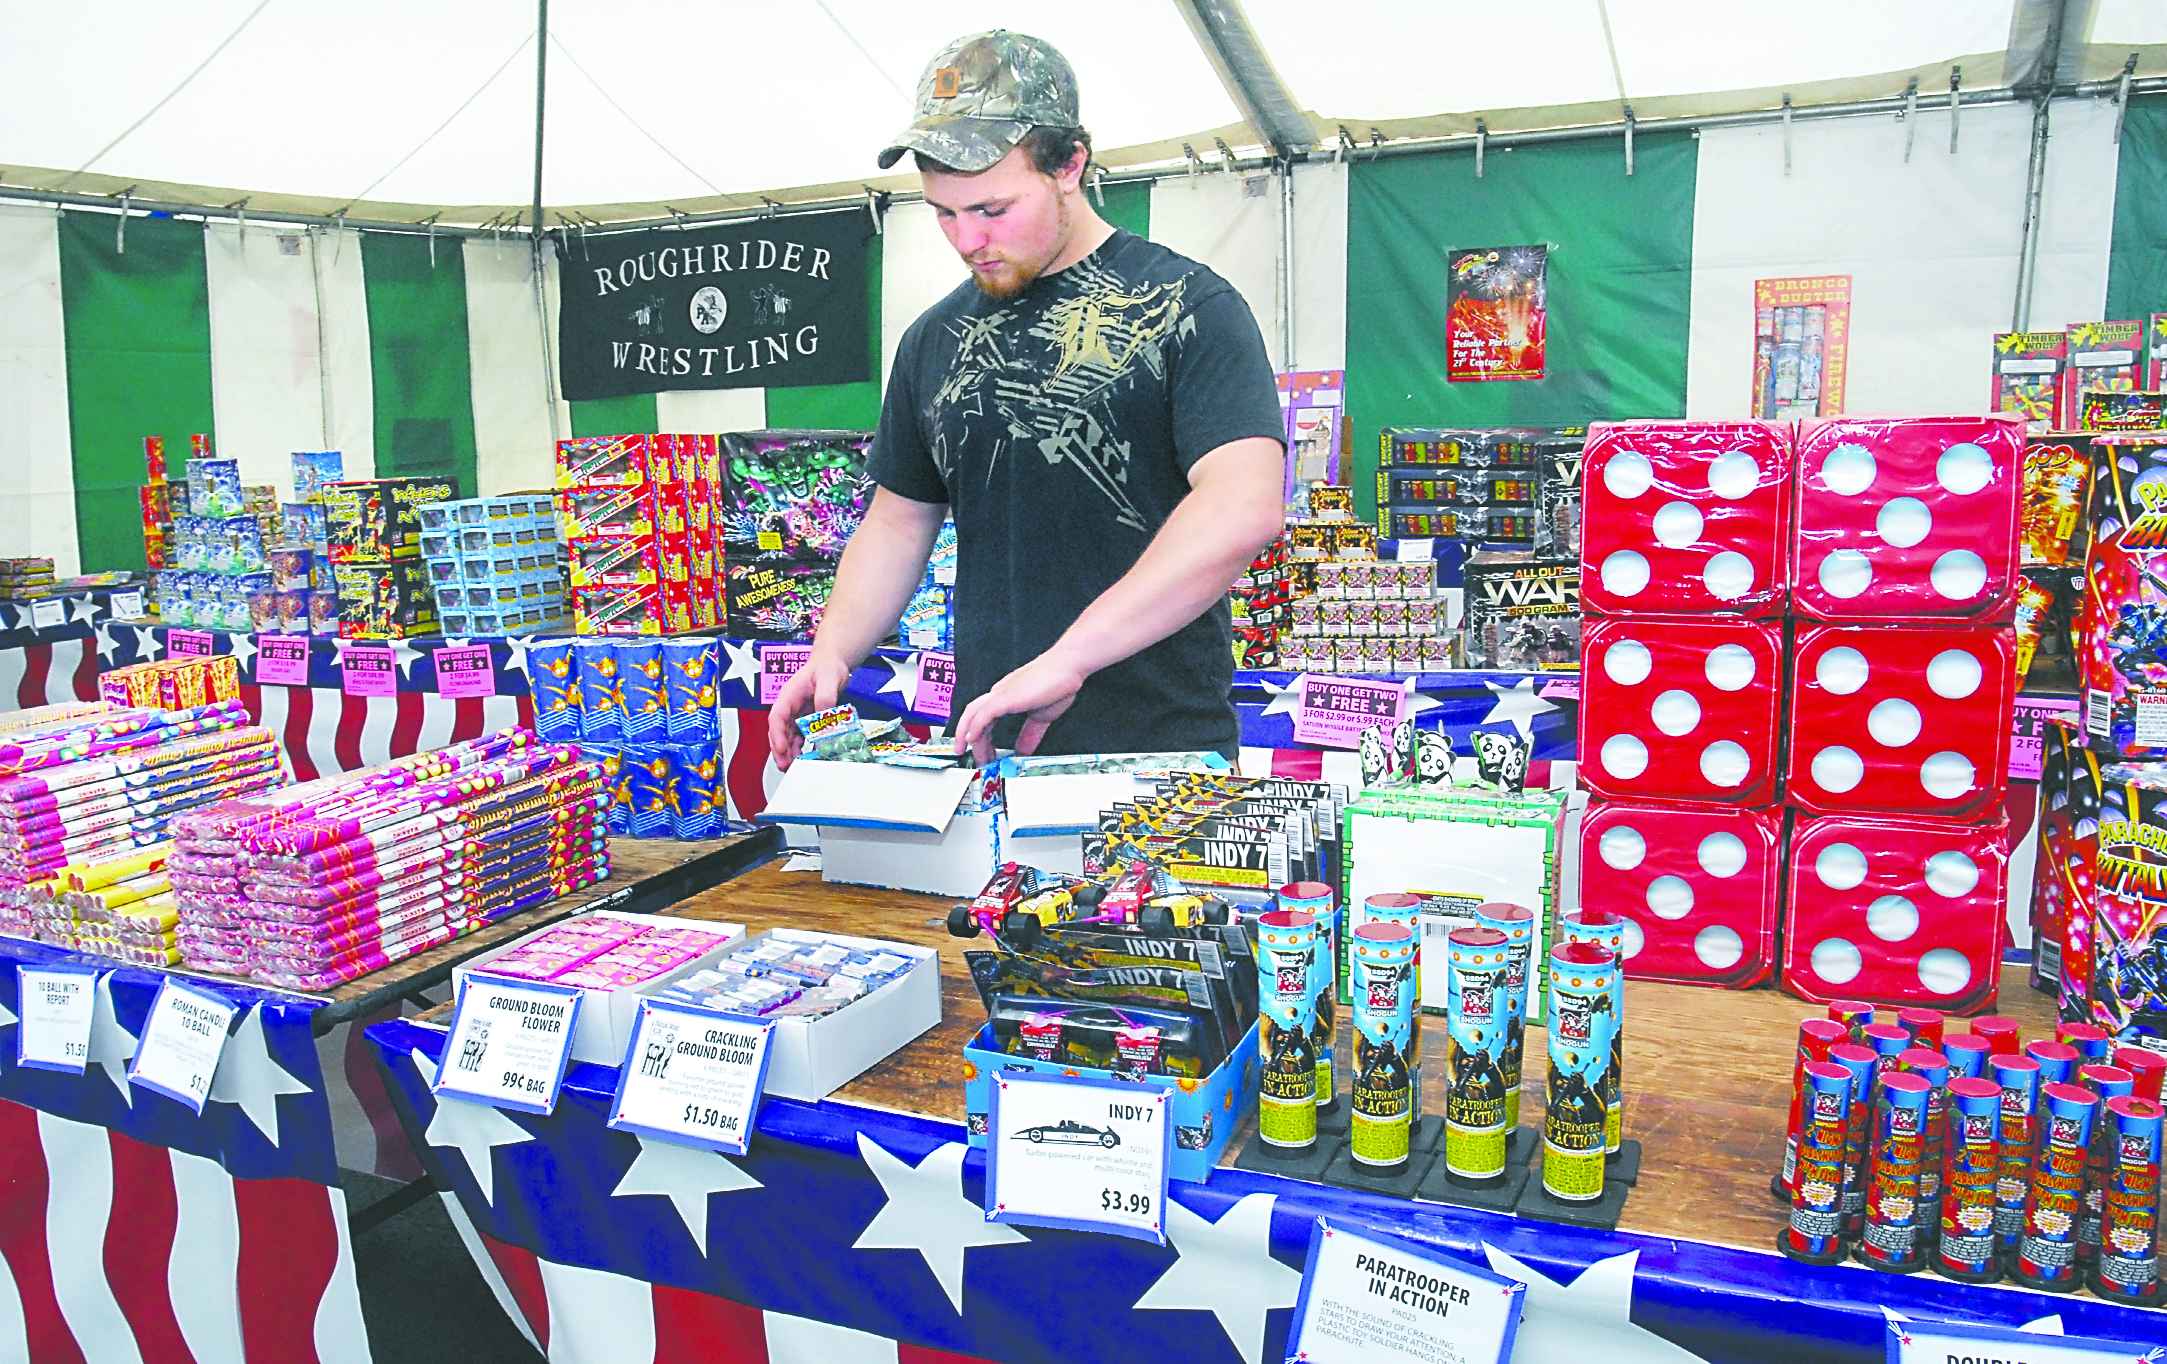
[1980, 1156]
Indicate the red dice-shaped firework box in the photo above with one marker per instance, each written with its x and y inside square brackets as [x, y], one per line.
[1682, 710]
[1686, 519]
[1697, 886]
[1900, 719]
[1896, 911]
[1908, 518]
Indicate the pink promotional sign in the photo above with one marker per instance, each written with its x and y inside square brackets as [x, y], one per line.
[282, 660]
[936, 684]
[1334, 711]
[1563, 689]
[189, 644]
[368, 670]
[778, 664]
[2028, 733]
[465, 671]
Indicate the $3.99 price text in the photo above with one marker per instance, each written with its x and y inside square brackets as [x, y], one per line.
[1114, 1200]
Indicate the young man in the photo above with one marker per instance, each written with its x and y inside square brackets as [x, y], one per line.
[1099, 413]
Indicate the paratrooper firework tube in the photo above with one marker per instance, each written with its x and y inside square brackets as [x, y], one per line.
[2092, 1043]
[1815, 1234]
[1864, 1069]
[2057, 1061]
[2146, 1068]
[2018, 1077]
[1932, 1067]
[1393, 907]
[1854, 1014]
[2002, 1034]
[2108, 1082]
[1967, 1055]
[2047, 1253]
[1582, 1014]
[1517, 923]
[1287, 1088]
[1475, 1017]
[1970, 1169]
[1315, 899]
[1384, 1019]
[1607, 930]
[1924, 1025]
[2128, 1265]
[1894, 1238]
[1815, 1037]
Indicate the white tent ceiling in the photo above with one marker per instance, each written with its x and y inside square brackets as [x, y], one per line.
[398, 108]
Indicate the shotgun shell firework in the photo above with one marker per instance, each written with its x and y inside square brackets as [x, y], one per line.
[2018, 1077]
[1970, 1171]
[1287, 1088]
[1607, 930]
[1854, 1014]
[2147, 1068]
[1932, 1067]
[1476, 1015]
[1315, 899]
[1517, 923]
[1924, 1025]
[2092, 1043]
[2047, 1253]
[1967, 1053]
[2108, 1082]
[2057, 1061]
[1405, 910]
[1893, 1239]
[1864, 1069]
[2003, 1035]
[1582, 1015]
[2128, 1267]
[1815, 1234]
[1384, 1018]
[1815, 1037]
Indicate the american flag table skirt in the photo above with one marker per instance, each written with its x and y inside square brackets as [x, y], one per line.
[850, 1234]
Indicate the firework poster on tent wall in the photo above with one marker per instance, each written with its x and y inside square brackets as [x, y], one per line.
[1801, 338]
[1495, 317]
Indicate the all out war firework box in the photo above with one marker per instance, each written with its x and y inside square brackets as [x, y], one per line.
[1522, 615]
[2126, 993]
[2123, 659]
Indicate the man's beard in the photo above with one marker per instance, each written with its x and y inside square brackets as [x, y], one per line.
[1013, 278]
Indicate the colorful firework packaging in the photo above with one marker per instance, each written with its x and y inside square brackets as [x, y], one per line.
[1607, 931]
[1815, 1037]
[1967, 1054]
[1314, 898]
[2091, 1043]
[2125, 605]
[2057, 1061]
[1384, 1023]
[2057, 473]
[1924, 1025]
[2108, 1082]
[1891, 1239]
[1517, 923]
[688, 682]
[2004, 1037]
[1932, 1067]
[1815, 1233]
[798, 492]
[1970, 1170]
[1476, 1015]
[2147, 1068]
[1582, 979]
[2047, 1254]
[2018, 1077]
[2128, 1265]
[1406, 911]
[2125, 988]
[1864, 1068]
[1855, 1015]
[1287, 1093]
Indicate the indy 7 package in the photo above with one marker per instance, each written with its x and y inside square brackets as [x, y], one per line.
[2124, 659]
[1523, 615]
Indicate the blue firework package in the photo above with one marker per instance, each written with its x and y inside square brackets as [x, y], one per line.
[793, 492]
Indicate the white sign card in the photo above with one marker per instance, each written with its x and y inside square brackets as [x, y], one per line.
[1370, 1298]
[128, 605]
[510, 1041]
[56, 1004]
[693, 1076]
[183, 1037]
[49, 614]
[1079, 1152]
[1920, 1342]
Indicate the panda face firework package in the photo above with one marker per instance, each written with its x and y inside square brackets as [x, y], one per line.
[2124, 658]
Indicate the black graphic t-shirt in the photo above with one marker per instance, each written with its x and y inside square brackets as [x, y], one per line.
[1060, 425]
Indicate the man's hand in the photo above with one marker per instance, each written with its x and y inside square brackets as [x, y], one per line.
[1041, 691]
[814, 687]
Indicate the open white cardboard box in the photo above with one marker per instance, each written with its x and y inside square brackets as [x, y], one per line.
[894, 827]
[606, 1017]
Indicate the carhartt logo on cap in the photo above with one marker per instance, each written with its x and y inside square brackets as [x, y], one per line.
[948, 82]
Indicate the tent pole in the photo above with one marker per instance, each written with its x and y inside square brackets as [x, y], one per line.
[541, 75]
[534, 256]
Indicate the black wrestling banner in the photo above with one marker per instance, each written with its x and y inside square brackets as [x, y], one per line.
[769, 303]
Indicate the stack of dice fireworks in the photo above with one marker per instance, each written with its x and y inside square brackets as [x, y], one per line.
[310, 886]
[1798, 651]
[1976, 1155]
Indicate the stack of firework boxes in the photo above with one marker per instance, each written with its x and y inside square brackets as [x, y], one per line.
[493, 564]
[208, 540]
[644, 709]
[1795, 709]
[790, 501]
[639, 537]
[2087, 377]
[372, 531]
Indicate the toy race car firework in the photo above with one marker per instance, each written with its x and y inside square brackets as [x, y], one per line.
[1020, 902]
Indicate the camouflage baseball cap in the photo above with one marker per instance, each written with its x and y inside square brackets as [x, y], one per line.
[981, 95]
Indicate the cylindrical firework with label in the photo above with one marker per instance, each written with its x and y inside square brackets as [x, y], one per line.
[1970, 1170]
[601, 707]
[641, 690]
[1392, 907]
[1607, 930]
[1924, 1025]
[1517, 923]
[1314, 898]
[1967, 1053]
[1854, 1014]
[2004, 1037]
[1475, 1020]
[2092, 1043]
[688, 681]
[1287, 1087]
[1887, 1041]
[2018, 1077]
[554, 680]
[1815, 1037]
[1932, 1067]
[1815, 1234]
[1383, 1100]
[1894, 1238]
[1581, 1016]
[2108, 1082]
[2047, 1253]
[2148, 1068]
[2057, 1061]
[2128, 1266]
[1860, 1063]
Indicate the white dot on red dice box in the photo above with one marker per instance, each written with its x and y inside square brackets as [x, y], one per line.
[1892, 918]
[1628, 662]
[1954, 674]
[1725, 763]
[1842, 670]
[1719, 948]
[1621, 847]
[1838, 769]
[1964, 469]
[1944, 970]
[1677, 525]
[1958, 575]
[1729, 575]
[1840, 866]
[1625, 572]
[1732, 474]
[1722, 855]
[1675, 712]
[1669, 897]
[1624, 756]
[1628, 475]
[1845, 573]
[1729, 667]
[1837, 960]
[1947, 775]
[1848, 470]
[1903, 522]
[1950, 873]
[1635, 939]
[1893, 723]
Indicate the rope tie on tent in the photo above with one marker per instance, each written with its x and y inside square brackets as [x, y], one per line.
[1098, 192]
[120, 233]
[768, 212]
[1226, 156]
[1786, 133]
[677, 219]
[1376, 143]
[240, 217]
[1482, 143]
[1909, 116]
[429, 227]
[1196, 163]
[1629, 121]
[1344, 147]
[1956, 84]
[2121, 96]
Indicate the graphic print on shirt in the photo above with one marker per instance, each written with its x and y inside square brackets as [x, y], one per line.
[1057, 397]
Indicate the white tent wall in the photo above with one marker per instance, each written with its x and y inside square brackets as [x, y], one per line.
[266, 364]
[505, 335]
[917, 270]
[1931, 245]
[1320, 267]
[349, 387]
[37, 495]
[704, 412]
[1232, 224]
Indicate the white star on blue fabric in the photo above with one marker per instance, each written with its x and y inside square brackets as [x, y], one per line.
[472, 1129]
[250, 1079]
[147, 644]
[107, 645]
[1517, 705]
[84, 609]
[12, 615]
[7, 1017]
[1559, 1320]
[744, 665]
[686, 1175]
[244, 649]
[903, 679]
[1285, 700]
[405, 656]
[927, 1212]
[517, 645]
[1226, 1268]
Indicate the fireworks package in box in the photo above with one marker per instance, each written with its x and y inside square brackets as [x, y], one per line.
[2070, 790]
[1522, 615]
[1908, 518]
[1896, 911]
[1900, 719]
[792, 492]
[2028, 376]
[377, 520]
[1698, 886]
[2123, 620]
[775, 596]
[1686, 518]
[1557, 494]
[1399, 448]
[2104, 357]
[2144, 410]
[385, 601]
[2125, 981]
[1682, 710]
